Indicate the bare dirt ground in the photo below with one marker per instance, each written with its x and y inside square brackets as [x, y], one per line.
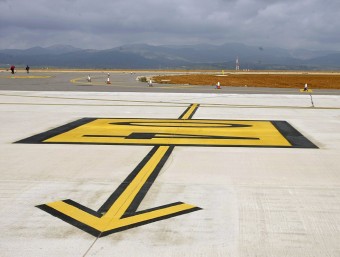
[314, 80]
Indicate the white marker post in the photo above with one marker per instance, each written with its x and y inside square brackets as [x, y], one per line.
[305, 88]
[108, 79]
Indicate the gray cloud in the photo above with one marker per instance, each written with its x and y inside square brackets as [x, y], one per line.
[105, 24]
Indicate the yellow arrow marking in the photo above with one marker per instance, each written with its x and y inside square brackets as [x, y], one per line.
[119, 211]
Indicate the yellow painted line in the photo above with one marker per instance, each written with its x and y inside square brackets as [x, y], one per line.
[125, 199]
[83, 80]
[26, 77]
[306, 91]
[189, 112]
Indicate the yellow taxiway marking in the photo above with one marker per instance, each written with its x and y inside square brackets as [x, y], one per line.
[174, 132]
[119, 211]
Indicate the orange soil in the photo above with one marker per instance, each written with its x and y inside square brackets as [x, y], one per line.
[256, 80]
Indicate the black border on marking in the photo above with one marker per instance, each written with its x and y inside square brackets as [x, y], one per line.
[292, 135]
[39, 138]
[69, 220]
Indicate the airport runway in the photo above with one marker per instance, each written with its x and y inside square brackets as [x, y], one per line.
[187, 171]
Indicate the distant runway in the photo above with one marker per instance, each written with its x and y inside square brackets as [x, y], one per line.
[121, 82]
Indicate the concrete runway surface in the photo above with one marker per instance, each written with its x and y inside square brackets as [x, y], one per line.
[166, 173]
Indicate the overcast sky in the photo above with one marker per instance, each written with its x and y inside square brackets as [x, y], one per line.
[103, 24]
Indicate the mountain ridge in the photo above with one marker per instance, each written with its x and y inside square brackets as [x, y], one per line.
[141, 56]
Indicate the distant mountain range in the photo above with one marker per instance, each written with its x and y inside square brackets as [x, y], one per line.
[143, 56]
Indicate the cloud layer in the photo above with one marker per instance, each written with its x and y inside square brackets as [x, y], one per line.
[311, 24]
